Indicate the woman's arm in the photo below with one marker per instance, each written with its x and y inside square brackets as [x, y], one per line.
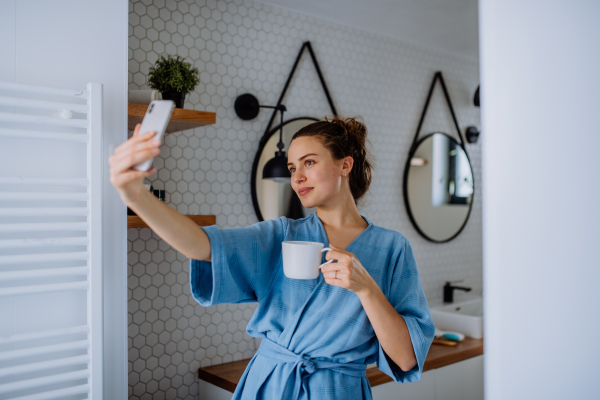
[389, 326]
[174, 228]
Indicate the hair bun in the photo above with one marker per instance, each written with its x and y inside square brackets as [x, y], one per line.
[355, 130]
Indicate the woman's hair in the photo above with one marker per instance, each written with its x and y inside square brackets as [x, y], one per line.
[345, 137]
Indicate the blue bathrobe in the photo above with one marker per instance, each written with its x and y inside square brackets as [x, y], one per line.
[316, 338]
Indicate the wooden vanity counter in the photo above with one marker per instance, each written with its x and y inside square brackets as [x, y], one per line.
[227, 375]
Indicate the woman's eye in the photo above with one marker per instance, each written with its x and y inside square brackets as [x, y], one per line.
[307, 161]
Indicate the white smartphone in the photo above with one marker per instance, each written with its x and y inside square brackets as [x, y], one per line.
[156, 119]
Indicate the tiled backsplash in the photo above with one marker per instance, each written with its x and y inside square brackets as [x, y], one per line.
[244, 46]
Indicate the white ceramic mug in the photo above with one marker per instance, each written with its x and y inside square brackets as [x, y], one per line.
[302, 260]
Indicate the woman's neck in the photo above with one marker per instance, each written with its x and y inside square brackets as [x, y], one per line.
[341, 215]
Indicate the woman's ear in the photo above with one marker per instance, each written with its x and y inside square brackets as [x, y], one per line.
[347, 165]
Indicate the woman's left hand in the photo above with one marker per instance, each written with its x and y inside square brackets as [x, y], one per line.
[347, 273]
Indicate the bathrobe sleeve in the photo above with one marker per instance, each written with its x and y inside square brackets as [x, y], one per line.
[407, 297]
[243, 265]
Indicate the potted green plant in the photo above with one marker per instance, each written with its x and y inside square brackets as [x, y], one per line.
[173, 77]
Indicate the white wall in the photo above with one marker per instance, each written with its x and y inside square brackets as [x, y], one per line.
[540, 63]
[68, 43]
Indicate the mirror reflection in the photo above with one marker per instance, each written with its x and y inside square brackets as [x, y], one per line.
[439, 187]
[277, 199]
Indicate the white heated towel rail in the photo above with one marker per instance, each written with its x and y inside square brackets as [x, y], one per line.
[37, 236]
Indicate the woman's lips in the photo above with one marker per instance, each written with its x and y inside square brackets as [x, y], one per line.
[303, 191]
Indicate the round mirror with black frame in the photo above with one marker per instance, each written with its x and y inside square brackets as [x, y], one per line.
[276, 198]
[438, 187]
[273, 197]
[438, 184]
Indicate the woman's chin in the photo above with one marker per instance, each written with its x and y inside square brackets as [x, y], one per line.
[308, 203]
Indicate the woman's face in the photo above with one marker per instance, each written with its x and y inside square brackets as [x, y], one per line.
[316, 176]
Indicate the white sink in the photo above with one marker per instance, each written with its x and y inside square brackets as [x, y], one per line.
[464, 317]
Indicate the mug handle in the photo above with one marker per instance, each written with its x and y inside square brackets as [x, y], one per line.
[330, 261]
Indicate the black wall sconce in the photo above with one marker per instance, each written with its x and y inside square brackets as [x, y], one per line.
[472, 133]
[247, 107]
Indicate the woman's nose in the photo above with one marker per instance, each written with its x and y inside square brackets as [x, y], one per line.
[298, 178]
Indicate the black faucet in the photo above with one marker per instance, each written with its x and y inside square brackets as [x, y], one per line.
[449, 290]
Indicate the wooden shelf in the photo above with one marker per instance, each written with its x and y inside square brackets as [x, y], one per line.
[227, 375]
[181, 119]
[133, 221]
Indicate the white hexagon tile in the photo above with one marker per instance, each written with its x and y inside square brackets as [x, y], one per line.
[244, 46]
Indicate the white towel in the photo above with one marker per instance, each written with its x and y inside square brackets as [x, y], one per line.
[143, 96]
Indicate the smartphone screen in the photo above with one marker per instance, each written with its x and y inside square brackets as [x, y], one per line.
[156, 119]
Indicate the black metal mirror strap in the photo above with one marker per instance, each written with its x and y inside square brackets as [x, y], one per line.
[437, 76]
[305, 45]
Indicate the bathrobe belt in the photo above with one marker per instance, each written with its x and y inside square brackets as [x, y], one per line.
[304, 366]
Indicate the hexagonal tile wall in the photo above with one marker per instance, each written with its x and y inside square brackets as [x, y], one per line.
[244, 46]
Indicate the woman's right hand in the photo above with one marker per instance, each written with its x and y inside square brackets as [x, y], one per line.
[129, 181]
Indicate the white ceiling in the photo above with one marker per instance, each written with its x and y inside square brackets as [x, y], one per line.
[444, 24]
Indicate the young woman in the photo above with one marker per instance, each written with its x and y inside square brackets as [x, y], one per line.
[318, 336]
